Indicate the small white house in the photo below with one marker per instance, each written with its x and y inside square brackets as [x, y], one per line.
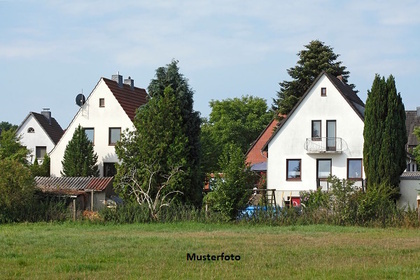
[321, 136]
[39, 133]
[109, 110]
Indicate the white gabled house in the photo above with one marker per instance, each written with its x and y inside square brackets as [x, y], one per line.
[321, 136]
[39, 133]
[109, 110]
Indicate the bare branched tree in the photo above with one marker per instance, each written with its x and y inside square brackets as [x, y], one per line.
[152, 193]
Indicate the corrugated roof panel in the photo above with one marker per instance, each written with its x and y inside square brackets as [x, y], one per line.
[71, 184]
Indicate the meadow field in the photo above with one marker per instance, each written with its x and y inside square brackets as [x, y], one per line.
[167, 251]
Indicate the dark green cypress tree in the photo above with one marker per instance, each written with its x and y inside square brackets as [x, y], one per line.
[317, 57]
[79, 157]
[155, 151]
[170, 76]
[384, 134]
[375, 114]
[393, 155]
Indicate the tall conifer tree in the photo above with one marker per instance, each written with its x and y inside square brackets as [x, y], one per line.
[384, 134]
[317, 57]
[79, 157]
[171, 129]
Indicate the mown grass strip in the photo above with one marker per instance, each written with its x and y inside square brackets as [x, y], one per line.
[159, 251]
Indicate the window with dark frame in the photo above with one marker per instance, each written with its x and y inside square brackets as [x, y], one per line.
[354, 169]
[294, 167]
[109, 169]
[316, 130]
[323, 168]
[331, 134]
[323, 91]
[114, 135]
[40, 152]
[31, 130]
[90, 133]
[101, 102]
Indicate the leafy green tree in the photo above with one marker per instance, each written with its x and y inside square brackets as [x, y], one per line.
[11, 148]
[233, 189]
[154, 165]
[16, 181]
[79, 157]
[16, 189]
[317, 57]
[170, 76]
[416, 150]
[236, 121]
[384, 134]
[7, 126]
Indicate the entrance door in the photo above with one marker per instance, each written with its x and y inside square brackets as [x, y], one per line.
[331, 135]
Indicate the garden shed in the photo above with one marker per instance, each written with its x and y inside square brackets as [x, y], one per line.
[88, 193]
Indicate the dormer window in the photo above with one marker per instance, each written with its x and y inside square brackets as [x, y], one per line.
[323, 91]
[31, 130]
[101, 102]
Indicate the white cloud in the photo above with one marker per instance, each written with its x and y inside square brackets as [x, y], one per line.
[211, 37]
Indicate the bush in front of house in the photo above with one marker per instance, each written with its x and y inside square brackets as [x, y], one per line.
[346, 205]
[232, 191]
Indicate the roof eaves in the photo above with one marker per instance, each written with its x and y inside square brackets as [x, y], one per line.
[24, 121]
[65, 131]
[259, 136]
[352, 103]
[38, 117]
[265, 147]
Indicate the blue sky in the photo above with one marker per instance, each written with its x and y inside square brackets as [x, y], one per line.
[50, 51]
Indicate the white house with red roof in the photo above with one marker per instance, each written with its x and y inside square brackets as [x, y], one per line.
[39, 132]
[321, 136]
[105, 114]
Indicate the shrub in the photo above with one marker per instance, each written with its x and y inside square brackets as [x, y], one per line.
[16, 188]
[232, 190]
[346, 205]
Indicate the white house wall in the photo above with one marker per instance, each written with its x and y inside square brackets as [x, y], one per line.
[289, 142]
[31, 140]
[410, 193]
[101, 119]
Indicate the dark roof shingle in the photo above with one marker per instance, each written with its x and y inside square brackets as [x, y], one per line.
[411, 121]
[349, 94]
[53, 129]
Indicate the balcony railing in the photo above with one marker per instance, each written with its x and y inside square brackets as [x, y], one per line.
[324, 145]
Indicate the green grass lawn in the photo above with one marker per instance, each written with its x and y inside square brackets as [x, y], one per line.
[159, 251]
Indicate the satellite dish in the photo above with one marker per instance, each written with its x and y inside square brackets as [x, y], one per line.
[80, 100]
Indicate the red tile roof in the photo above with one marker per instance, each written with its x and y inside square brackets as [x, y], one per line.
[255, 153]
[129, 98]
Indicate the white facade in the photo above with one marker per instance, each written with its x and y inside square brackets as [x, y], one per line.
[97, 116]
[409, 190]
[294, 146]
[35, 138]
